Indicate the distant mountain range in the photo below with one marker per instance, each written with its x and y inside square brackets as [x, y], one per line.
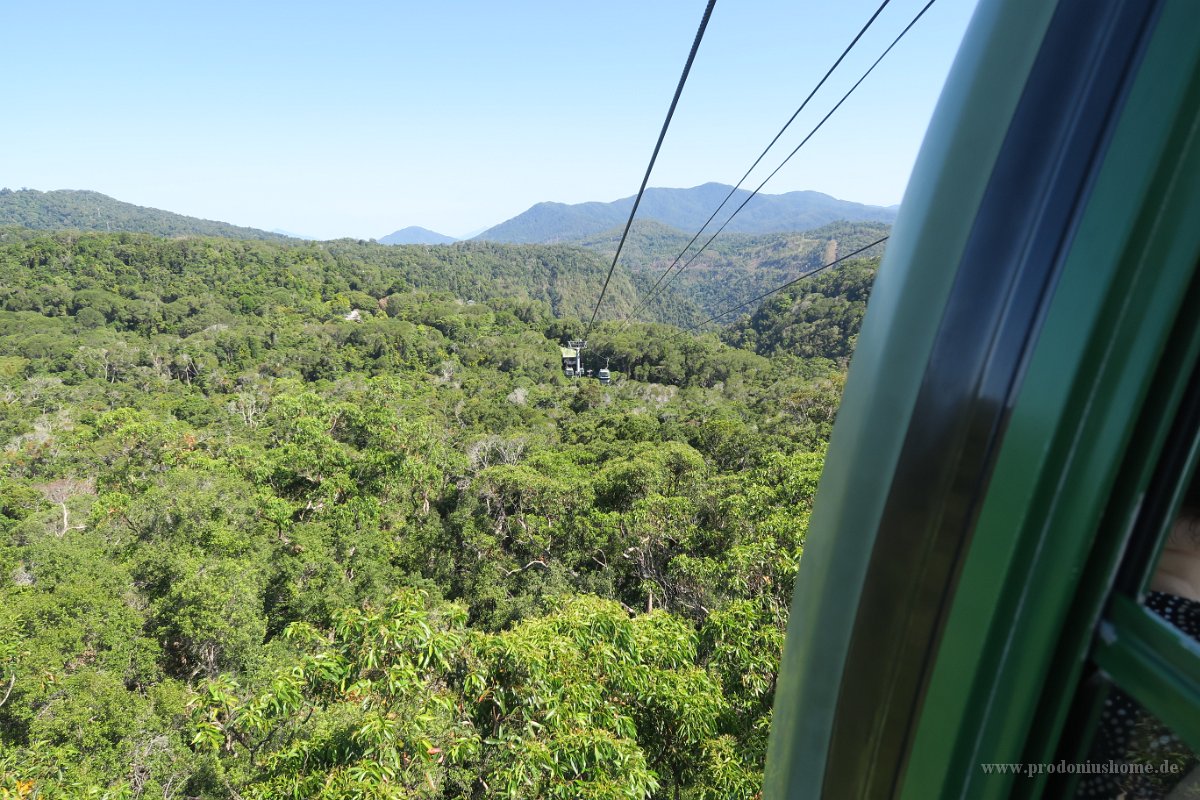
[764, 239]
[416, 235]
[686, 209]
[292, 235]
[69, 209]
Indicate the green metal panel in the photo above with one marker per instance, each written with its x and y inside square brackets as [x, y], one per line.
[1120, 292]
[1158, 464]
[1158, 665]
[935, 219]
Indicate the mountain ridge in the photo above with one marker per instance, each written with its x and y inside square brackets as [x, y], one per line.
[685, 209]
[87, 210]
[415, 234]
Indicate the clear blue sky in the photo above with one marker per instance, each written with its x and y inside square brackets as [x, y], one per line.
[358, 118]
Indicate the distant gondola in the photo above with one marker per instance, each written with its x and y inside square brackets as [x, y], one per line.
[572, 362]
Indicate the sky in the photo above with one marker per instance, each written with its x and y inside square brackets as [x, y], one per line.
[360, 118]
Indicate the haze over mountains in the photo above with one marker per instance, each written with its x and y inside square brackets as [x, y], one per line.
[684, 210]
[415, 234]
[687, 210]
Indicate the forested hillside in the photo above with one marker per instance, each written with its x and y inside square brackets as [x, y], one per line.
[819, 317]
[736, 267]
[327, 521]
[147, 282]
[67, 209]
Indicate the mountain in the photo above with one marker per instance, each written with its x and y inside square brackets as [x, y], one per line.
[416, 235]
[69, 209]
[292, 235]
[686, 209]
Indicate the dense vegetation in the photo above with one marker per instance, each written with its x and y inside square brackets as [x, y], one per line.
[818, 317]
[736, 267]
[685, 210]
[153, 285]
[67, 209]
[253, 544]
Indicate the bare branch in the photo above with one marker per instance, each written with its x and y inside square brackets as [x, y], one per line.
[534, 563]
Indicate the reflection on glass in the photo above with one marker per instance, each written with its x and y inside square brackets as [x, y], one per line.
[1136, 756]
[1175, 587]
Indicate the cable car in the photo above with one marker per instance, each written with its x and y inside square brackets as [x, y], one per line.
[1020, 421]
[571, 361]
[572, 358]
[605, 376]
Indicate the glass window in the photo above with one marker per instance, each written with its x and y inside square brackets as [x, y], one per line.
[1175, 584]
[1135, 756]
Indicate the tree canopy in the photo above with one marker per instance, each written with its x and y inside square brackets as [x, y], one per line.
[253, 544]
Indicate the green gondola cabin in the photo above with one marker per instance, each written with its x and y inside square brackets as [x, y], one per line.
[1020, 424]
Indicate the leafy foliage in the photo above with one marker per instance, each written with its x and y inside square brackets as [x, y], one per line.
[254, 545]
[181, 286]
[734, 268]
[816, 318]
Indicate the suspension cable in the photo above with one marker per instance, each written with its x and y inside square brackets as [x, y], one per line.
[778, 289]
[758, 160]
[818, 126]
[662, 134]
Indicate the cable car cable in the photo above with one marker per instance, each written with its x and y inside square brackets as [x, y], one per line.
[662, 134]
[811, 133]
[824, 119]
[758, 160]
[777, 289]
